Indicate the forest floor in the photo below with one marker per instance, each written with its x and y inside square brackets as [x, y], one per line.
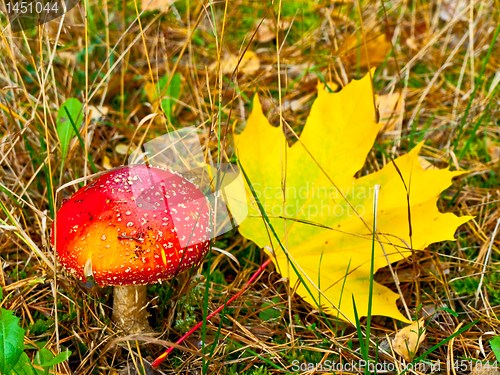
[437, 75]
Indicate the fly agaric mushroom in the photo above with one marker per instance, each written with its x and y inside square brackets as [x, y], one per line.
[131, 227]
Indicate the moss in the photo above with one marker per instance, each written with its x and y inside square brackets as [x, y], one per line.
[186, 317]
[40, 326]
[467, 286]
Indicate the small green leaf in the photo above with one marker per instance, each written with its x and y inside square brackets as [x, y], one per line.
[270, 313]
[495, 346]
[38, 280]
[450, 311]
[65, 130]
[61, 357]
[1, 294]
[40, 344]
[11, 341]
[173, 92]
[40, 326]
[43, 356]
[23, 366]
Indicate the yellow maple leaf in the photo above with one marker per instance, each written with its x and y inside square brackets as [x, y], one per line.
[328, 231]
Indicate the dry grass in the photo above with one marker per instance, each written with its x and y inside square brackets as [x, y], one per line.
[435, 62]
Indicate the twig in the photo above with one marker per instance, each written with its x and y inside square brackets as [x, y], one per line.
[488, 253]
[160, 359]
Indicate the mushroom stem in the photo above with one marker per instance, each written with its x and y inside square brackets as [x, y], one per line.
[129, 308]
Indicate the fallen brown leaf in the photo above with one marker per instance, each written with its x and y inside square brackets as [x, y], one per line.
[267, 30]
[161, 5]
[97, 112]
[408, 340]
[493, 150]
[391, 111]
[376, 44]
[249, 64]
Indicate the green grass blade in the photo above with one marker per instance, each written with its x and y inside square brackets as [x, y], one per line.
[471, 138]
[342, 292]
[46, 170]
[259, 356]
[479, 83]
[358, 329]
[372, 268]
[173, 92]
[82, 145]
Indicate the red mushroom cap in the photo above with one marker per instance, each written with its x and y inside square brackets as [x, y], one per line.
[135, 225]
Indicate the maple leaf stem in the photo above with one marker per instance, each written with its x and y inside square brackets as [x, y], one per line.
[160, 359]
